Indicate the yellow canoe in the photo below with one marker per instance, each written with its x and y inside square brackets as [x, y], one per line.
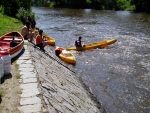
[50, 40]
[101, 45]
[66, 56]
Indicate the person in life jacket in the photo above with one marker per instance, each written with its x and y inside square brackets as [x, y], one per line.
[58, 51]
[78, 42]
[39, 40]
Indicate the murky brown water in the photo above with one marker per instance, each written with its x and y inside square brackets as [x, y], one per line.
[119, 75]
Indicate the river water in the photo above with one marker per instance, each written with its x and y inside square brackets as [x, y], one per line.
[119, 76]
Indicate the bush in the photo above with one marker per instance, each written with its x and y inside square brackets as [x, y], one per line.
[23, 14]
[122, 4]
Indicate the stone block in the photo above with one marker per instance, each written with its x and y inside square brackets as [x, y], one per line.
[31, 108]
[30, 101]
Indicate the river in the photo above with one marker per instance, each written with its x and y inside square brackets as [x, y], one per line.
[119, 75]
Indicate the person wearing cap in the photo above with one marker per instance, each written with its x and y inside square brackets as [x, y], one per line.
[26, 32]
[39, 40]
[78, 42]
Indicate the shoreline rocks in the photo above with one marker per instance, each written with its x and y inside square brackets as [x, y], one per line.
[61, 90]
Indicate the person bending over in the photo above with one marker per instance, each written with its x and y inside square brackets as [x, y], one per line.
[26, 32]
[39, 40]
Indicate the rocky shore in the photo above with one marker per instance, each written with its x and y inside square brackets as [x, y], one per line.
[48, 85]
[61, 91]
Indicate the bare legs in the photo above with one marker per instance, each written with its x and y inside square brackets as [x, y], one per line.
[45, 43]
[30, 36]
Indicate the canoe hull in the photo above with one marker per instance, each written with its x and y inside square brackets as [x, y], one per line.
[67, 57]
[101, 45]
[6, 39]
[50, 40]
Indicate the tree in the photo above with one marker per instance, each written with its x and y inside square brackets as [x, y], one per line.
[11, 7]
[142, 5]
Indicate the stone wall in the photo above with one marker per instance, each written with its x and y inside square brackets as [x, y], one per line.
[62, 91]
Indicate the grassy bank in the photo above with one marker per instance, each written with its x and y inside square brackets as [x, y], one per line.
[8, 24]
[9, 86]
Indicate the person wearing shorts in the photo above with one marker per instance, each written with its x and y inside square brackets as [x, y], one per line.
[26, 32]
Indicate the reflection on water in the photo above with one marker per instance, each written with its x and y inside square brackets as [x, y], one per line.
[119, 75]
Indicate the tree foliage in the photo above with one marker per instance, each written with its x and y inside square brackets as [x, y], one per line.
[23, 14]
[140, 5]
[11, 7]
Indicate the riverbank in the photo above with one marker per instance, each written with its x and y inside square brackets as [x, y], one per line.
[60, 89]
[9, 24]
[10, 91]
[9, 85]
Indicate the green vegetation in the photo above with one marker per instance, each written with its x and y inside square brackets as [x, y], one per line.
[16, 65]
[20, 9]
[1, 107]
[8, 24]
[23, 14]
[1, 93]
[11, 7]
[18, 76]
[138, 5]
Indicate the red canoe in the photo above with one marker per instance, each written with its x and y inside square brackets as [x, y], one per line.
[13, 42]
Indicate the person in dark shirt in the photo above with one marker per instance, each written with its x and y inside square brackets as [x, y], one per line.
[78, 42]
[32, 21]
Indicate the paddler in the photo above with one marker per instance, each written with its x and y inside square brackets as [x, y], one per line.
[78, 42]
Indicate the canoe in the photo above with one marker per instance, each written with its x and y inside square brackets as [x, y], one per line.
[13, 42]
[101, 45]
[50, 40]
[66, 56]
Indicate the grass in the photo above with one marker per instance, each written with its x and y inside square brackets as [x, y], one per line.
[1, 93]
[9, 24]
[18, 76]
[16, 65]
[1, 107]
